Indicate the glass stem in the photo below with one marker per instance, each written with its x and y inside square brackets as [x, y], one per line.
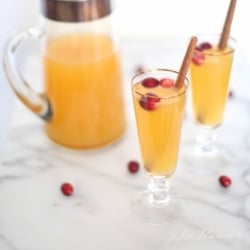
[205, 140]
[159, 190]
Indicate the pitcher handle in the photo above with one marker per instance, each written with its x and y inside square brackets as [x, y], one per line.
[38, 103]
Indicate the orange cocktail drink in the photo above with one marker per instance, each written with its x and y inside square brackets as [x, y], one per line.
[159, 109]
[210, 78]
[83, 82]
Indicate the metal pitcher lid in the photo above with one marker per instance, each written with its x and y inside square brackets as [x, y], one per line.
[75, 10]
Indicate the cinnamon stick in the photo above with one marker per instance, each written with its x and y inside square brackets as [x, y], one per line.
[227, 25]
[186, 62]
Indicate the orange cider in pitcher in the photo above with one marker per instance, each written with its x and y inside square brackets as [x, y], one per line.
[159, 114]
[210, 74]
[83, 82]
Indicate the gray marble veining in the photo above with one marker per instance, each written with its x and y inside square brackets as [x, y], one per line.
[34, 215]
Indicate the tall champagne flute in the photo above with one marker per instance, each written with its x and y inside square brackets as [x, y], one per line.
[159, 110]
[210, 78]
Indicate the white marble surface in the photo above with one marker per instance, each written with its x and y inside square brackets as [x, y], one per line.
[34, 215]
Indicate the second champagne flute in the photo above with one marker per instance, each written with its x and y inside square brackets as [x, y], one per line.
[210, 79]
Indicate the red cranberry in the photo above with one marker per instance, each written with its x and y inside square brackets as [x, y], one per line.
[198, 58]
[139, 69]
[167, 82]
[204, 46]
[151, 97]
[198, 48]
[149, 101]
[67, 189]
[230, 94]
[225, 181]
[150, 82]
[133, 166]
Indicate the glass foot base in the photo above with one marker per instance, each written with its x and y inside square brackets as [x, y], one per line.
[147, 210]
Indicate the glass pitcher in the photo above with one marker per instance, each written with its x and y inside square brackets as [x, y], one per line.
[82, 104]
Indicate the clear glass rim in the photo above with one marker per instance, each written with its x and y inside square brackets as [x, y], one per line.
[231, 38]
[186, 82]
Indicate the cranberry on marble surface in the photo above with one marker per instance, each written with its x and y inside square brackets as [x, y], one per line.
[133, 166]
[230, 94]
[67, 189]
[225, 181]
[139, 69]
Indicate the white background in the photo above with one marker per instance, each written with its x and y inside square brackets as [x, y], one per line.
[147, 17]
